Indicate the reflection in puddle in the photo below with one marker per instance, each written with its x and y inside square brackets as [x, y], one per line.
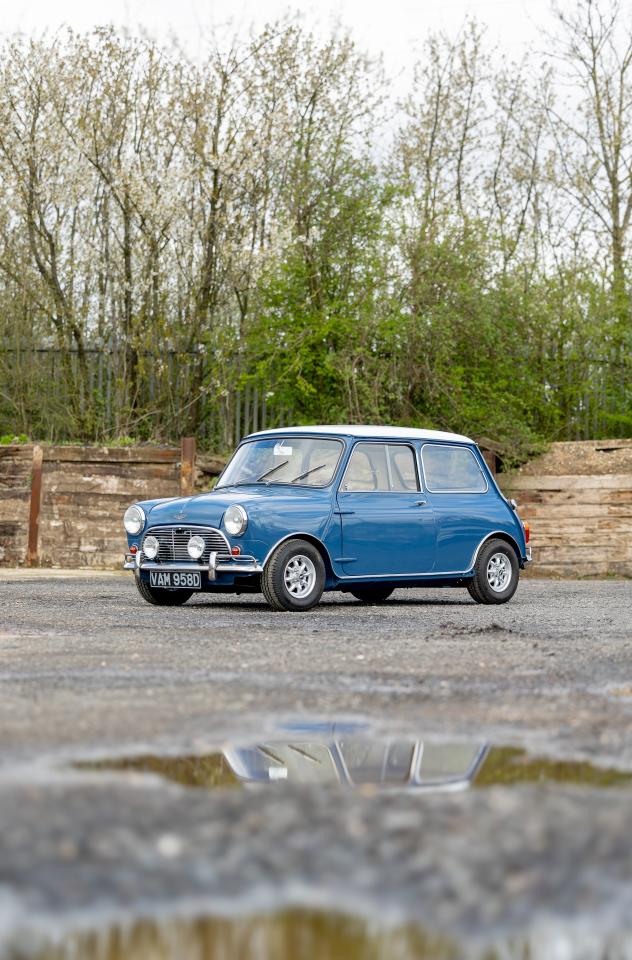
[344, 756]
[291, 935]
[367, 762]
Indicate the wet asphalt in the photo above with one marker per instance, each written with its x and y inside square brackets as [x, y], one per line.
[88, 670]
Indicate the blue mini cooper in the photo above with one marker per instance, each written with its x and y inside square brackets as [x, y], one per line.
[354, 508]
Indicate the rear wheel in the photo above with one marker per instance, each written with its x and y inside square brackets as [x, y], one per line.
[160, 597]
[496, 573]
[294, 576]
[372, 593]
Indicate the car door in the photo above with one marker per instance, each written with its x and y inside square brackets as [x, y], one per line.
[387, 522]
[463, 506]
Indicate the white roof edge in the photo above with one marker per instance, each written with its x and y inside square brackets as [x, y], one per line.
[362, 430]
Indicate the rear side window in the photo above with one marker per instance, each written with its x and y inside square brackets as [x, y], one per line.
[388, 467]
[451, 469]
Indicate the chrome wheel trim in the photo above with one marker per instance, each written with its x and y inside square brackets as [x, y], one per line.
[499, 572]
[299, 576]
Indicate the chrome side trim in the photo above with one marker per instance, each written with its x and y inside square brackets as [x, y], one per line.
[443, 493]
[434, 575]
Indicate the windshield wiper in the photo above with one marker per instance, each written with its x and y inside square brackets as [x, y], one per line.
[269, 473]
[235, 483]
[307, 473]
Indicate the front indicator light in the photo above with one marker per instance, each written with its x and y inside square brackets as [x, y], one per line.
[196, 547]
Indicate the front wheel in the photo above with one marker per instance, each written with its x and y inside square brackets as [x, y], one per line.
[496, 573]
[372, 593]
[160, 597]
[294, 576]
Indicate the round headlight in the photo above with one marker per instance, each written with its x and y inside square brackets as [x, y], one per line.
[195, 547]
[235, 520]
[151, 547]
[134, 520]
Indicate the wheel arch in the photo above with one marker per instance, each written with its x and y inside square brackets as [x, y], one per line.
[499, 535]
[320, 546]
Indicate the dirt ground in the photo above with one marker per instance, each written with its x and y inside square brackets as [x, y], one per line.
[581, 457]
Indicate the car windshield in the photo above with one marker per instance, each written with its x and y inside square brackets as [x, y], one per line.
[309, 461]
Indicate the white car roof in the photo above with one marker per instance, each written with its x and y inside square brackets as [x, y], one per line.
[374, 432]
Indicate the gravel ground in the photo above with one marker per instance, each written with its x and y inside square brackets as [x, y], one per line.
[88, 670]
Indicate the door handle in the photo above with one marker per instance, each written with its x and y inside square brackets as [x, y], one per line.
[420, 503]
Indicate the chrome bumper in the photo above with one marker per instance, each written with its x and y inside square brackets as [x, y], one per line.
[529, 558]
[218, 563]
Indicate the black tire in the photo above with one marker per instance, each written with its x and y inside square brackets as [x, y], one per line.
[372, 593]
[273, 579]
[162, 598]
[480, 587]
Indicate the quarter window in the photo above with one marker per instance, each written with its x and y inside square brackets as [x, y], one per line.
[452, 469]
[388, 467]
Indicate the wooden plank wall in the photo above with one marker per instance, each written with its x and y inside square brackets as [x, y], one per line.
[15, 494]
[581, 523]
[85, 491]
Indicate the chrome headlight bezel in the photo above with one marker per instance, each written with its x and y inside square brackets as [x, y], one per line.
[134, 520]
[235, 520]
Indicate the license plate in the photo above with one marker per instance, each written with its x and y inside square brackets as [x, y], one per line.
[175, 579]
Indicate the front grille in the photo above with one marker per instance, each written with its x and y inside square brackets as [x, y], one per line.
[173, 543]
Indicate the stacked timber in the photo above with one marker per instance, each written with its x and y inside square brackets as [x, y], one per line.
[578, 500]
[15, 493]
[85, 493]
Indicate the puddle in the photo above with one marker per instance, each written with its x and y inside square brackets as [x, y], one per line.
[309, 935]
[366, 763]
[348, 757]
[290, 935]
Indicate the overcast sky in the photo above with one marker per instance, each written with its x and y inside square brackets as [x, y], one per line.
[394, 28]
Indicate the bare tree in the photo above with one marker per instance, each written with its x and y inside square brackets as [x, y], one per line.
[592, 128]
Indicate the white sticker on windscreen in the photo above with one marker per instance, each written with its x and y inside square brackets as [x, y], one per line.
[281, 451]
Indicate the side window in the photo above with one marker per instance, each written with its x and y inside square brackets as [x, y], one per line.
[367, 468]
[450, 469]
[402, 464]
[381, 466]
